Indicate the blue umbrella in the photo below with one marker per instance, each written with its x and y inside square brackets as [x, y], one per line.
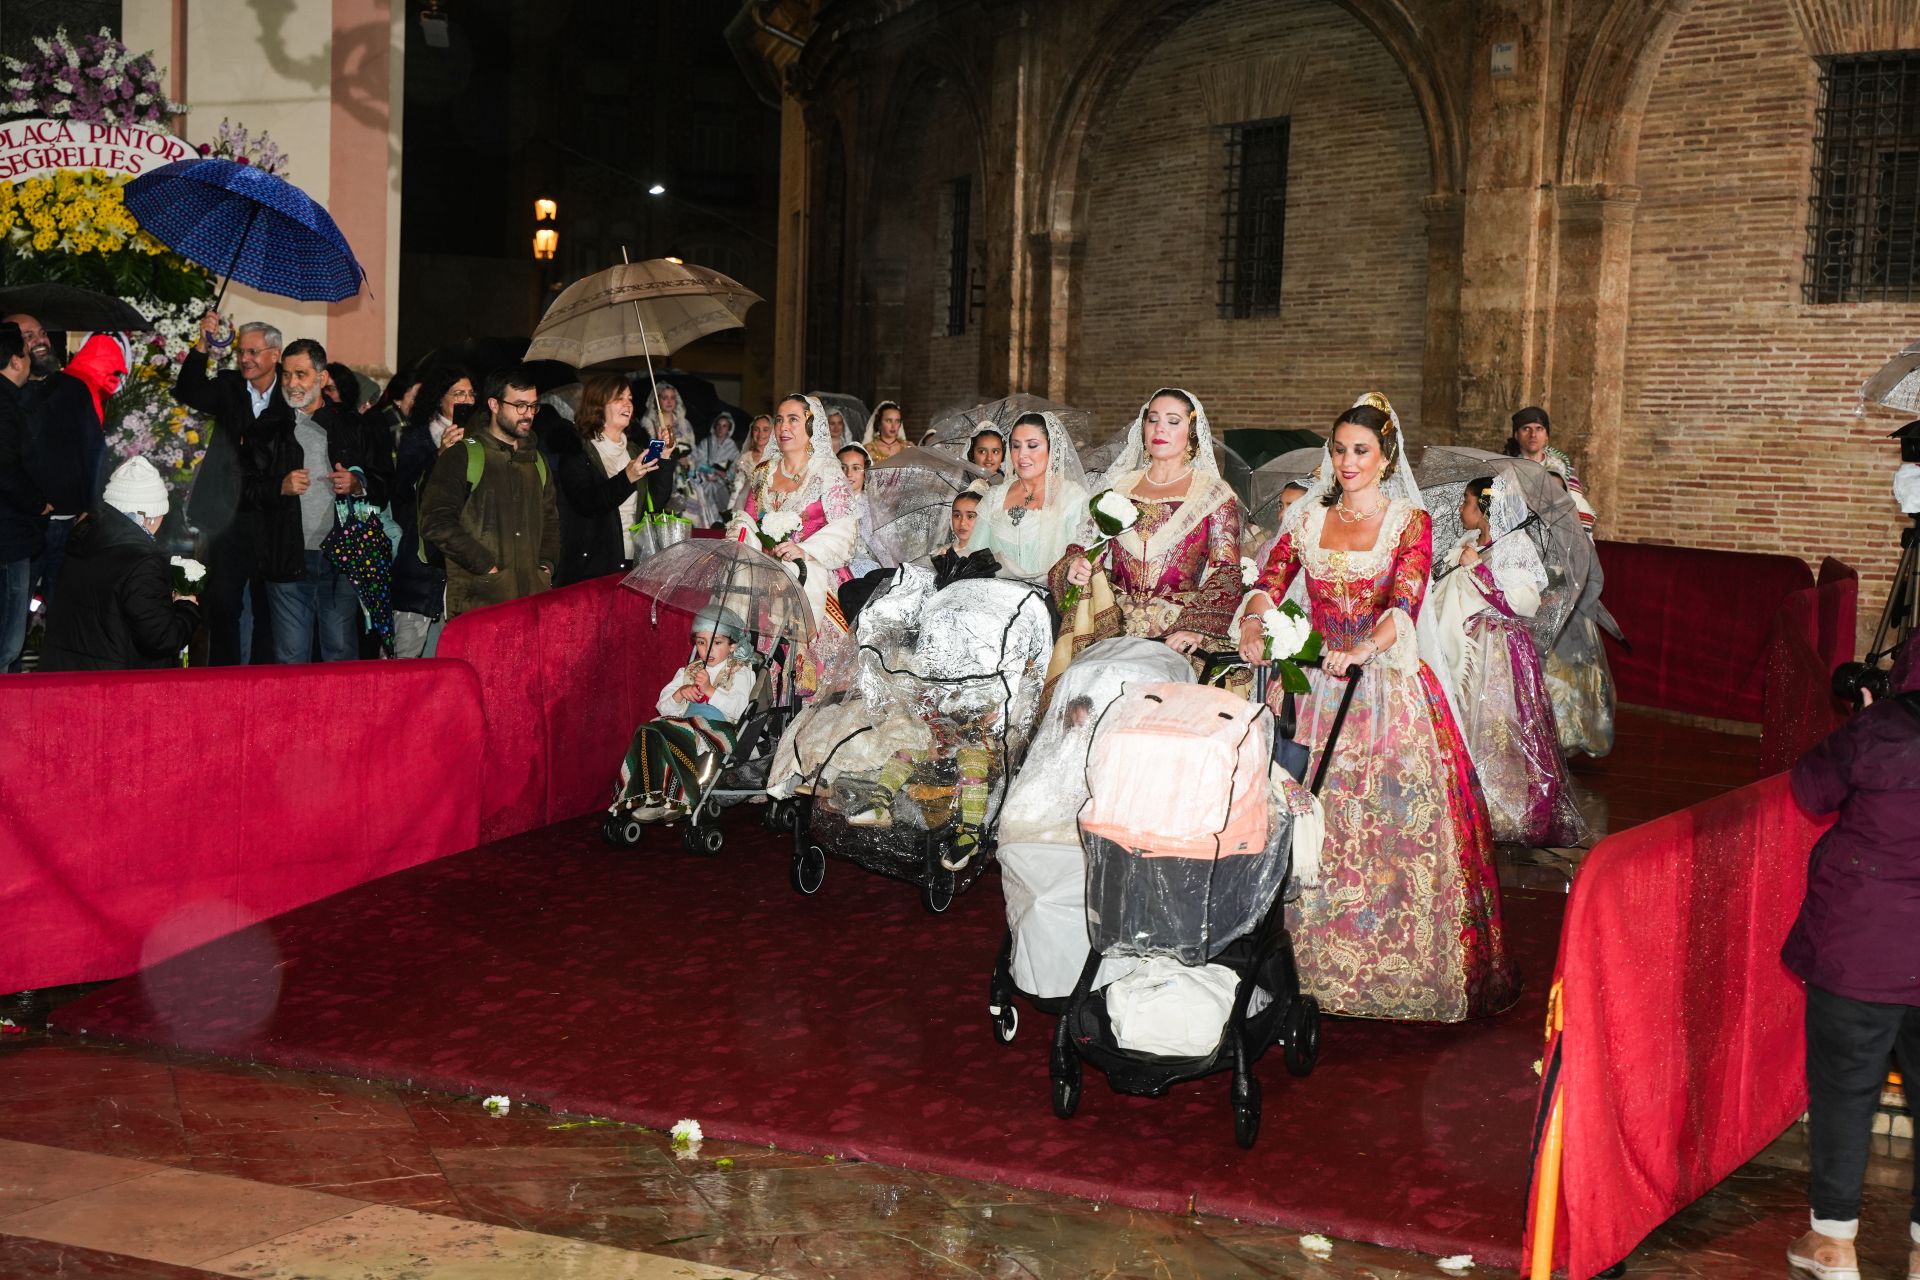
[256, 228]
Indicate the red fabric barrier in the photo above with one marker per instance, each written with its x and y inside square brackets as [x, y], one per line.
[1679, 1057]
[566, 677]
[144, 813]
[1799, 705]
[1698, 622]
[1839, 612]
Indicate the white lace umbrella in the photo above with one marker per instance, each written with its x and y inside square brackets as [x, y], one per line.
[1897, 384]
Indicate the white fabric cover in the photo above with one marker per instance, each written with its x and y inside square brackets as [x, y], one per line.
[1167, 1008]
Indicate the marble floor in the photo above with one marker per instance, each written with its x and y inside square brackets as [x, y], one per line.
[121, 1162]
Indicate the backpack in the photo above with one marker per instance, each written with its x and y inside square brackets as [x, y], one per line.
[476, 466]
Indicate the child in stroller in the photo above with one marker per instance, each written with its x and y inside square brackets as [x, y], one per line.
[712, 712]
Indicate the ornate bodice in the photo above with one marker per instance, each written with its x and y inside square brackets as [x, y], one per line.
[1349, 591]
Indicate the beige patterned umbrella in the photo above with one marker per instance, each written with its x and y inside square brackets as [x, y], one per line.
[622, 317]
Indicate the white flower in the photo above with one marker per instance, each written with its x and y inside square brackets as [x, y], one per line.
[1458, 1263]
[1318, 1246]
[498, 1105]
[780, 525]
[1116, 508]
[191, 568]
[1249, 571]
[1287, 631]
[686, 1133]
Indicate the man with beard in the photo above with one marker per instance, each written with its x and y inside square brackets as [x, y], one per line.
[489, 505]
[239, 401]
[43, 359]
[295, 468]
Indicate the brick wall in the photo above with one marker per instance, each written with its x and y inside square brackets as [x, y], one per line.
[904, 285]
[1353, 292]
[1740, 427]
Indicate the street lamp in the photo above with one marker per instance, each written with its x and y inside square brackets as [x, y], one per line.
[546, 239]
[656, 190]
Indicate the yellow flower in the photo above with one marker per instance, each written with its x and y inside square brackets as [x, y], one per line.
[193, 437]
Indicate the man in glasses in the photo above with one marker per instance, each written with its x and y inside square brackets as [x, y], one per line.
[489, 505]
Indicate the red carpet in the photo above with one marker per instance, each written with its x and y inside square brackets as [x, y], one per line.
[657, 985]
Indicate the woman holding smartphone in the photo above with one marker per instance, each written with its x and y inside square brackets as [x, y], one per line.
[598, 471]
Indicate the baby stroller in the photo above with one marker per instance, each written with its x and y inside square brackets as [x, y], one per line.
[904, 761]
[727, 777]
[1188, 850]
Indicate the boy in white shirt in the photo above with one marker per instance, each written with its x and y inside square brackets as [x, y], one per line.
[678, 754]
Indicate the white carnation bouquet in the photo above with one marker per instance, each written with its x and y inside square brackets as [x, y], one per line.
[1290, 640]
[187, 575]
[773, 529]
[1113, 514]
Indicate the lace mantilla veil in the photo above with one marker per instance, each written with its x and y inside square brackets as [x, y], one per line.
[1059, 518]
[1398, 487]
[1133, 457]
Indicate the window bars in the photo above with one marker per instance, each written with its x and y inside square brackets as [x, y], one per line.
[1253, 230]
[1863, 228]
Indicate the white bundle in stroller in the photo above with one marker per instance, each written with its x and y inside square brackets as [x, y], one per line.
[1043, 869]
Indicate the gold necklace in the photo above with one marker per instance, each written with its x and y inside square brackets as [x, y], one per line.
[1352, 517]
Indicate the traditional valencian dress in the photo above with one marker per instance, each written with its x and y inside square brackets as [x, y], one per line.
[829, 520]
[1505, 713]
[1178, 568]
[1405, 922]
[1028, 540]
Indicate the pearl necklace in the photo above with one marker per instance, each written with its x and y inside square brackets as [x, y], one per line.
[1348, 516]
[1167, 484]
[782, 464]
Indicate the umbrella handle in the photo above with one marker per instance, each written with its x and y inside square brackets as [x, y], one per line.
[253, 211]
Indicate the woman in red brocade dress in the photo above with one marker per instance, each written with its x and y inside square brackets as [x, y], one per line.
[1405, 922]
[1175, 576]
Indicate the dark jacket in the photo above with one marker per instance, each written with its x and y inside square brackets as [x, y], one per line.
[591, 541]
[510, 522]
[273, 450]
[116, 608]
[23, 530]
[418, 586]
[65, 443]
[1858, 934]
[219, 483]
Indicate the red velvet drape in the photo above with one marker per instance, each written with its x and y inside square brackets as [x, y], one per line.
[1681, 1052]
[567, 676]
[143, 813]
[1697, 623]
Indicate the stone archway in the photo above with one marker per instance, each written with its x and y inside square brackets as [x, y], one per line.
[1058, 220]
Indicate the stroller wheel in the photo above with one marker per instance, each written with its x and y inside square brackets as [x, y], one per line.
[1066, 1091]
[703, 839]
[779, 816]
[610, 830]
[1006, 1022]
[623, 831]
[710, 811]
[1246, 1115]
[1302, 1035]
[809, 869]
[937, 894]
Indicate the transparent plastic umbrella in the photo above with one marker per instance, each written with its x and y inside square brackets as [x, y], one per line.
[911, 497]
[702, 571]
[1270, 478]
[852, 410]
[1573, 570]
[956, 427]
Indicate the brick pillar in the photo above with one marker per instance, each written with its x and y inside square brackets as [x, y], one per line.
[1440, 370]
[1504, 259]
[1008, 148]
[790, 291]
[1590, 330]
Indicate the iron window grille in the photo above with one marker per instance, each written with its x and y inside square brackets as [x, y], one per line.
[1863, 228]
[1254, 223]
[959, 282]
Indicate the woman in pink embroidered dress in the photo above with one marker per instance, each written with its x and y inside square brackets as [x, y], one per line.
[802, 477]
[1405, 922]
[1174, 576]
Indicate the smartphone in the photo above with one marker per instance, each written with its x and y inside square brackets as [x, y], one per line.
[653, 451]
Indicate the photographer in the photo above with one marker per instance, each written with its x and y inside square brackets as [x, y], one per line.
[1857, 945]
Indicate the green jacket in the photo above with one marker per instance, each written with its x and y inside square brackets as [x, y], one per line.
[507, 521]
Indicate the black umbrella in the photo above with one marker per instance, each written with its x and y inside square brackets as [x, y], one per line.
[64, 307]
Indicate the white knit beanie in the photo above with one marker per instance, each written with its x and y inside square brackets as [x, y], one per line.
[137, 489]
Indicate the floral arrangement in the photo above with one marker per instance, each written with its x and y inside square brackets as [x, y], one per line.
[73, 227]
[1290, 640]
[1112, 514]
[95, 79]
[233, 142]
[187, 573]
[143, 418]
[777, 527]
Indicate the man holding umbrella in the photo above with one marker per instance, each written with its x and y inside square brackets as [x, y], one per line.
[240, 401]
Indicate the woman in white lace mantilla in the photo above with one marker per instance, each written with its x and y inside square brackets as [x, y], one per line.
[1029, 521]
[801, 477]
[1175, 575]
